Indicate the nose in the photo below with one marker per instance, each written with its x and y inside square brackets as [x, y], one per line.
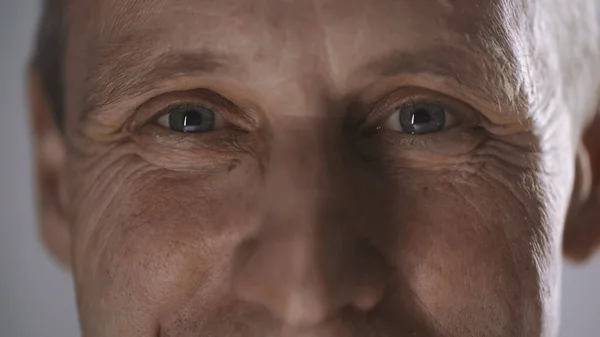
[309, 261]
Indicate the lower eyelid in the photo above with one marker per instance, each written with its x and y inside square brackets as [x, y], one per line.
[158, 136]
[452, 142]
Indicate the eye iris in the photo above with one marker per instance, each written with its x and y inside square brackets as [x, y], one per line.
[192, 119]
[422, 118]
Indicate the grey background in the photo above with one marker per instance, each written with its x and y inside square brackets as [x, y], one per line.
[36, 297]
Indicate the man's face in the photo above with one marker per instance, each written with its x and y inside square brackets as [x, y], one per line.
[314, 168]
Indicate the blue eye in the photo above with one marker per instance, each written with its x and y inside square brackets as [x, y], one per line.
[419, 118]
[190, 118]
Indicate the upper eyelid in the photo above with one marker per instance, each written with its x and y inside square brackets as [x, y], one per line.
[392, 101]
[181, 100]
[170, 108]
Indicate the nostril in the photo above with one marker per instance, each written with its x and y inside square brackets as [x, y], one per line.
[245, 251]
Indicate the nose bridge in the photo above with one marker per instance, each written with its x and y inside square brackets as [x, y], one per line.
[300, 169]
[302, 217]
[307, 261]
[309, 191]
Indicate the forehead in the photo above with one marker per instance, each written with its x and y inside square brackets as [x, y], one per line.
[112, 40]
[117, 16]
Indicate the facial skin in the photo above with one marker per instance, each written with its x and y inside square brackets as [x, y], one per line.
[307, 208]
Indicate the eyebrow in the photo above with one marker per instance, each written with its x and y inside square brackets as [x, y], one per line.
[128, 76]
[492, 78]
[473, 71]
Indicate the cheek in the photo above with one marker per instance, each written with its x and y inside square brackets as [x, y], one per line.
[468, 241]
[477, 245]
[162, 239]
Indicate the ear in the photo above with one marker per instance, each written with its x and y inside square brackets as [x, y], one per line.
[50, 157]
[582, 231]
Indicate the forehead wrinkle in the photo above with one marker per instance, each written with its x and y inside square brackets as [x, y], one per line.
[131, 41]
[127, 15]
[508, 40]
[118, 59]
[132, 78]
[500, 32]
[115, 39]
[115, 65]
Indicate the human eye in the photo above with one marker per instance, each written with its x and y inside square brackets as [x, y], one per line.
[411, 112]
[191, 128]
[419, 117]
[420, 124]
[190, 117]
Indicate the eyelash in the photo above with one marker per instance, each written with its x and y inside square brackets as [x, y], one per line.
[174, 107]
[150, 112]
[389, 105]
[370, 124]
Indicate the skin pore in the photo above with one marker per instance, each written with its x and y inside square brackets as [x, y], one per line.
[351, 168]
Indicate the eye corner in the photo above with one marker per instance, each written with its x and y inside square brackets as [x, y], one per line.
[161, 118]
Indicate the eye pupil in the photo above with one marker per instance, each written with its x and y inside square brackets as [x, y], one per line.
[192, 119]
[422, 118]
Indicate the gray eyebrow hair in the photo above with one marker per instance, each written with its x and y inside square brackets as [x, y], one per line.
[130, 75]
